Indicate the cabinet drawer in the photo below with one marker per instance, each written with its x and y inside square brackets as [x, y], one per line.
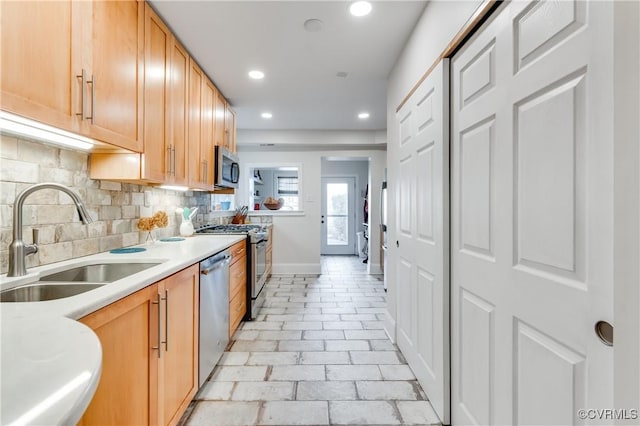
[237, 309]
[238, 250]
[237, 276]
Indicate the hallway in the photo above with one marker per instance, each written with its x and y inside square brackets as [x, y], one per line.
[317, 354]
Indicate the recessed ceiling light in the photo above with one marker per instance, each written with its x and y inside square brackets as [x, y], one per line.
[256, 75]
[313, 25]
[266, 115]
[360, 8]
[363, 115]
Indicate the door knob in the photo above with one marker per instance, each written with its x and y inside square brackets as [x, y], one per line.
[397, 243]
[604, 331]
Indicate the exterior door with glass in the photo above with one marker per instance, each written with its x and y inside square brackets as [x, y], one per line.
[338, 216]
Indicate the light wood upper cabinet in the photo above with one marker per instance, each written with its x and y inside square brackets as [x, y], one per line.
[40, 59]
[113, 59]
[150, 354]
[230, 128]
[47, 48]
[166, 73]
[208, 131]
[179, 113]
[221, 105]
[157, 156]
[195, 165]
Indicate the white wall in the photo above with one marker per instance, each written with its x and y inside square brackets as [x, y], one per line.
[296, 239]
[439, 23]
[246, 137]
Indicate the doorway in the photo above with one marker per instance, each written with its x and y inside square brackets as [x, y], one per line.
[338, 216]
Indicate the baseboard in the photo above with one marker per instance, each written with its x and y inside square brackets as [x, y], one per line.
[295, 268]
[375, 269]
[389, 324]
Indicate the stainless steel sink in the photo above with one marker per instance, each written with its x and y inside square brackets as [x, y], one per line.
[41, 292]
[98, 272]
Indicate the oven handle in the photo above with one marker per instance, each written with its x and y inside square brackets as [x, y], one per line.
[219, 264]
[261, 244]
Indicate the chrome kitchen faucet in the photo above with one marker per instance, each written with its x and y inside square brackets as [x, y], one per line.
[18, 250]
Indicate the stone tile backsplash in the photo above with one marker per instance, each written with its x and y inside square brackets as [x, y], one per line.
[114, 206]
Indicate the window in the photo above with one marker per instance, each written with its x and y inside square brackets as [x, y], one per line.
[275, 181]
[287, 188]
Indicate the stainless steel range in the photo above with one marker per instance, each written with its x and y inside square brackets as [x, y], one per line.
[257, 237]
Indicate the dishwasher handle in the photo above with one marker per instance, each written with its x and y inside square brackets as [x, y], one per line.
[219, 264]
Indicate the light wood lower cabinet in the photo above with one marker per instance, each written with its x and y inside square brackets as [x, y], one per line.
[269, 251]
[126, 394]
[237, 285]
[179, 362]
[150, 354]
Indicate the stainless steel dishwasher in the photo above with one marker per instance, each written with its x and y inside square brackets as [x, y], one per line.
[214, 311]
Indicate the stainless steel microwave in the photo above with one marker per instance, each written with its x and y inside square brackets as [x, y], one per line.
[227, 168]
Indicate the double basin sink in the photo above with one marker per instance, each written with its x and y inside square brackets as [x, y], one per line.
[73, 281]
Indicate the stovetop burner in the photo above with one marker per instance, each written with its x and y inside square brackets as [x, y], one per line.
[230, 228]
[256, 232]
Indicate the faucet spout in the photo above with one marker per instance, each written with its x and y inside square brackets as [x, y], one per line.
[18, 250]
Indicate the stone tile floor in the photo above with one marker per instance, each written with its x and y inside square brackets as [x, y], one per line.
[317, 354]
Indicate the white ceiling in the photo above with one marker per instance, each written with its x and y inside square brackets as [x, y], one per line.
[301, 89]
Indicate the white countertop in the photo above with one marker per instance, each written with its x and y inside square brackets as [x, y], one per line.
[50, 363]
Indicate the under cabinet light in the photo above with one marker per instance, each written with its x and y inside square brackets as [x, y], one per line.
[20, 126]
[174, 188]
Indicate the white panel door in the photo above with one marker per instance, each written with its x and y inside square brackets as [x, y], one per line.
[532, 215]
[338, 229]
[423, 238]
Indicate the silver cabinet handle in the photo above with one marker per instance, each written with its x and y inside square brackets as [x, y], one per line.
[169, 160]
[83, 95]
[173, 160]
[157, 302]
[92, 82]
[166, 320]
[225, 261]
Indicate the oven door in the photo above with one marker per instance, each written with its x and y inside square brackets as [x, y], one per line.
[260, 268]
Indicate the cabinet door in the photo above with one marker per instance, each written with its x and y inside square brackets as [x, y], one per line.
[38, 78]
[180, 352]
[237, 310]
[208, 131]
[269, 254]
[114, 60]
[230, 128]
[195, 166]
[178, 115]
[157, 51]
[221, 105]
[127, 330]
